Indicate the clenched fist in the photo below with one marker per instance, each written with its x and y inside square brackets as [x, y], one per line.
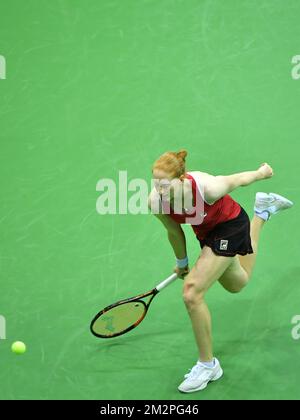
[265, 171]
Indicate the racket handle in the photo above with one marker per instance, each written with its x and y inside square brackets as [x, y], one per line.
[166, 282]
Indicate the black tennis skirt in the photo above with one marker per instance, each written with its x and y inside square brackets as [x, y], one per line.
[231, 237]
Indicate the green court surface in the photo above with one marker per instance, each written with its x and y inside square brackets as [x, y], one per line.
[96, 87]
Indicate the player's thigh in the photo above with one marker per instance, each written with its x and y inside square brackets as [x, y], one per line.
[235, 278]
[207, 269]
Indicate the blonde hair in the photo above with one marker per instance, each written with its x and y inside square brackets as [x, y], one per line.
[172, 163]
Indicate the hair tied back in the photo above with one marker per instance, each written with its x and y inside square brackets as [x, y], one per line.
[182, 154]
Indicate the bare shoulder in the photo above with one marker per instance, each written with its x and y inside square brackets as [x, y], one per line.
[202, 177]
[203, 180]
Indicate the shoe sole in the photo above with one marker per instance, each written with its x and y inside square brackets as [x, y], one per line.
[203, 386]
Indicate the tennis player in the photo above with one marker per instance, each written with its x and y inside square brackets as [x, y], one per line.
[228, 239]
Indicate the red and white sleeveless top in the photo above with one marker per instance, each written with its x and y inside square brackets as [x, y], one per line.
[206, 216]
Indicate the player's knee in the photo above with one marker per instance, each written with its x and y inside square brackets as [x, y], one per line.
[192, 295]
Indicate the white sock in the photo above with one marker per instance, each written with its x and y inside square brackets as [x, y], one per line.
[208, 364]
[265, 215]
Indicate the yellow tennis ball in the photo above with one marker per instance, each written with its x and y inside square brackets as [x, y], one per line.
[18, 347]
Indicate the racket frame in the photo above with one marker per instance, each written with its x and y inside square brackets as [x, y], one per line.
[152, 293]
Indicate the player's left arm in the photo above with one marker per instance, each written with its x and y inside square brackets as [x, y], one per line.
[216, 187]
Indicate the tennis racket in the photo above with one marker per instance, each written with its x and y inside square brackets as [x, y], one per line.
[124, 315]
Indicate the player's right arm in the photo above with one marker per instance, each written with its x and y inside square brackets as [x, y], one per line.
[175, 233]
[216, 187]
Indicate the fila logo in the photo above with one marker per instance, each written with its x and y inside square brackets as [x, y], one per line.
[223, 245]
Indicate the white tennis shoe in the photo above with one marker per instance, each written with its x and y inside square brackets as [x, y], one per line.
[199, 377]
[271, 203]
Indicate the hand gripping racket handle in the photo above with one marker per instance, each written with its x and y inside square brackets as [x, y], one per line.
[166, 282]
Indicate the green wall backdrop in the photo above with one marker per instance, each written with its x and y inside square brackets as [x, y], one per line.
[95, 87]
